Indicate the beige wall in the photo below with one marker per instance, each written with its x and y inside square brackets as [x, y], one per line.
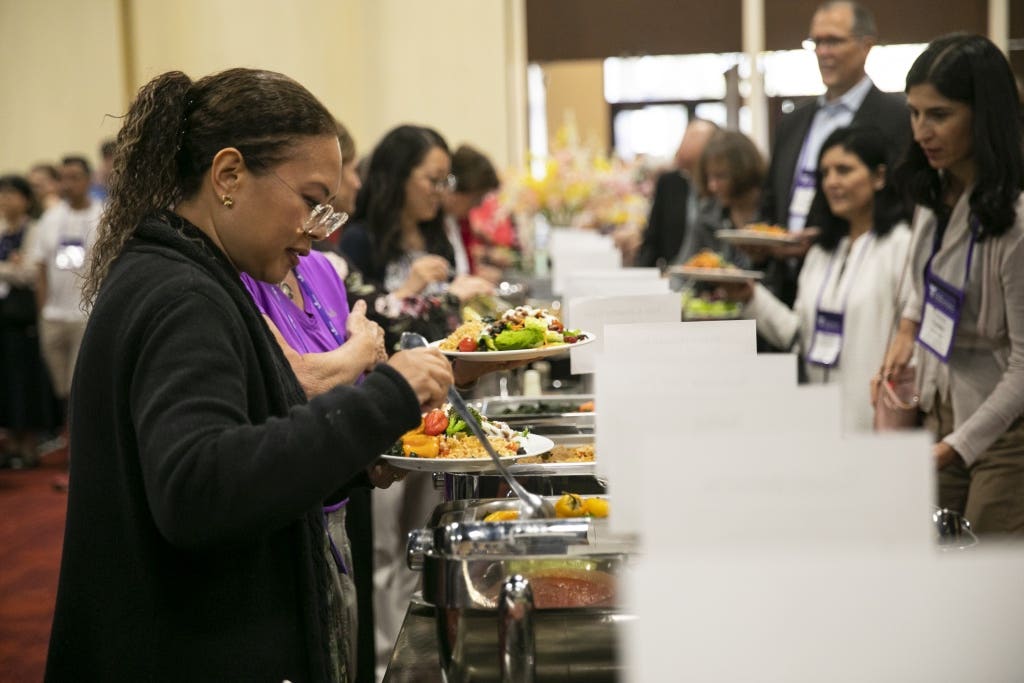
[575, 89]
[60, 75]
[440, 63]
[375, 63]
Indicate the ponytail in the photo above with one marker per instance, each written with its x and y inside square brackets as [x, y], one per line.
[175, 128]
[145, 176]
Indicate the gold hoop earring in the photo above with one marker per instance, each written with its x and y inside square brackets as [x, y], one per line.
[227, 201]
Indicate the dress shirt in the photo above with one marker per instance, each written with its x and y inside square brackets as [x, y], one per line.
[829, 117]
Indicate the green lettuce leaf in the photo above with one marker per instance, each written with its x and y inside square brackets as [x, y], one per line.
[526, 338]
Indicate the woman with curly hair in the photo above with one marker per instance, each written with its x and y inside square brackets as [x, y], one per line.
[397, 241]
[195, 546]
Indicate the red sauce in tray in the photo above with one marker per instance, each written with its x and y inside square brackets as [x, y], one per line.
[583, 589]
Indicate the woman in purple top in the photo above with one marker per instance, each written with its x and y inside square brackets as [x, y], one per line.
[308, 313]
[326, 344]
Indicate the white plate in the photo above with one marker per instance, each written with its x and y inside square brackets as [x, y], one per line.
[518, 354]
[717, 274]
[533, 444]
[756, 238]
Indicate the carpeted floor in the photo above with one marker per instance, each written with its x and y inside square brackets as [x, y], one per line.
[31, 534]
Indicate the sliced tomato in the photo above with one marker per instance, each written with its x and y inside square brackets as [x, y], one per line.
[435, 423]
[467, 344]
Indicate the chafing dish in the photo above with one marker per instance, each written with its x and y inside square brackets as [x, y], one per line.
[552, 415]
[526, 600]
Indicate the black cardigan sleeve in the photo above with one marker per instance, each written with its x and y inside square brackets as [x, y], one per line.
[357, 248]
[211, 475]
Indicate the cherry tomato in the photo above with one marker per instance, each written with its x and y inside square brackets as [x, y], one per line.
[467, 344]
[435, 423]
[570, 339]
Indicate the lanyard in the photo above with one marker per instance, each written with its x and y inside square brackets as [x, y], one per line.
[307, 291]
[339, 560]
[288, 307]
[853, 273]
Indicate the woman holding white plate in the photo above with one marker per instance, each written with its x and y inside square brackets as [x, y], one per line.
[847, 290]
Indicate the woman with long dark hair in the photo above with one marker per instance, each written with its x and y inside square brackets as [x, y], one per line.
[397, 239]
[847, 290]
[964, 321]
[195, 546]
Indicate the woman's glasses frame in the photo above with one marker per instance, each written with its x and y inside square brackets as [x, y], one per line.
[323, 220]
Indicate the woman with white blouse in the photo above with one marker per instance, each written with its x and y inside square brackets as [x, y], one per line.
[847, 290]
[964, 321]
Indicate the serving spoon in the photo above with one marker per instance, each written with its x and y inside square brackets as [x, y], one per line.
[533, 506]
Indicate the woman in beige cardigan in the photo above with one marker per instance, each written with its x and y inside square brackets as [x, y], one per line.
[964, 321]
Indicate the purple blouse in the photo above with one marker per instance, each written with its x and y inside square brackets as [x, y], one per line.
[320, 326]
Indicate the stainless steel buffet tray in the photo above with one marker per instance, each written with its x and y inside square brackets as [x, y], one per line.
[550, 415]
[523, 600]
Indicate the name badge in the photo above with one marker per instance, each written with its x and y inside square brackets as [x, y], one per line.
[803, 194]
[942, 306]
[827, 341]
[70, 255]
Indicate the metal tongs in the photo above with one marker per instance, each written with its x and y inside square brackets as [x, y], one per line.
[533, 506]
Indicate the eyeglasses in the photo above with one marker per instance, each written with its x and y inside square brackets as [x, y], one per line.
[827, 42]
[323, 220]
[445, 184]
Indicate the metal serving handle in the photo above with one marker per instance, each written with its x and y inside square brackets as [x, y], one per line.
[516, 643]
[533, 505]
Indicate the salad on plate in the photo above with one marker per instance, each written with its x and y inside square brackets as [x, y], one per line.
[519, 328]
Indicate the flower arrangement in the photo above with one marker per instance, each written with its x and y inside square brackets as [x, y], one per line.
[580, 187]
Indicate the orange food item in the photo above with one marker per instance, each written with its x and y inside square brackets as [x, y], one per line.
[587, 407]
[570, 505]
[502, 516]
[768, 229]
[596, 507]
[420, 445]
[706, 259]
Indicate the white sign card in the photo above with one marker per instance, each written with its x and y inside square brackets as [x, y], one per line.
[727, 337]
[579, 288]
[775, 490]
[592, 314]
[586, 258]
[755, 395]
[562, 240]
[837, 616]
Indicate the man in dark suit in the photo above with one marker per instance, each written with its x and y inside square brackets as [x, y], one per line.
[842, 34]
[676, 196]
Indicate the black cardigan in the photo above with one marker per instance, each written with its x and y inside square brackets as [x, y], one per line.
[193, 548]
